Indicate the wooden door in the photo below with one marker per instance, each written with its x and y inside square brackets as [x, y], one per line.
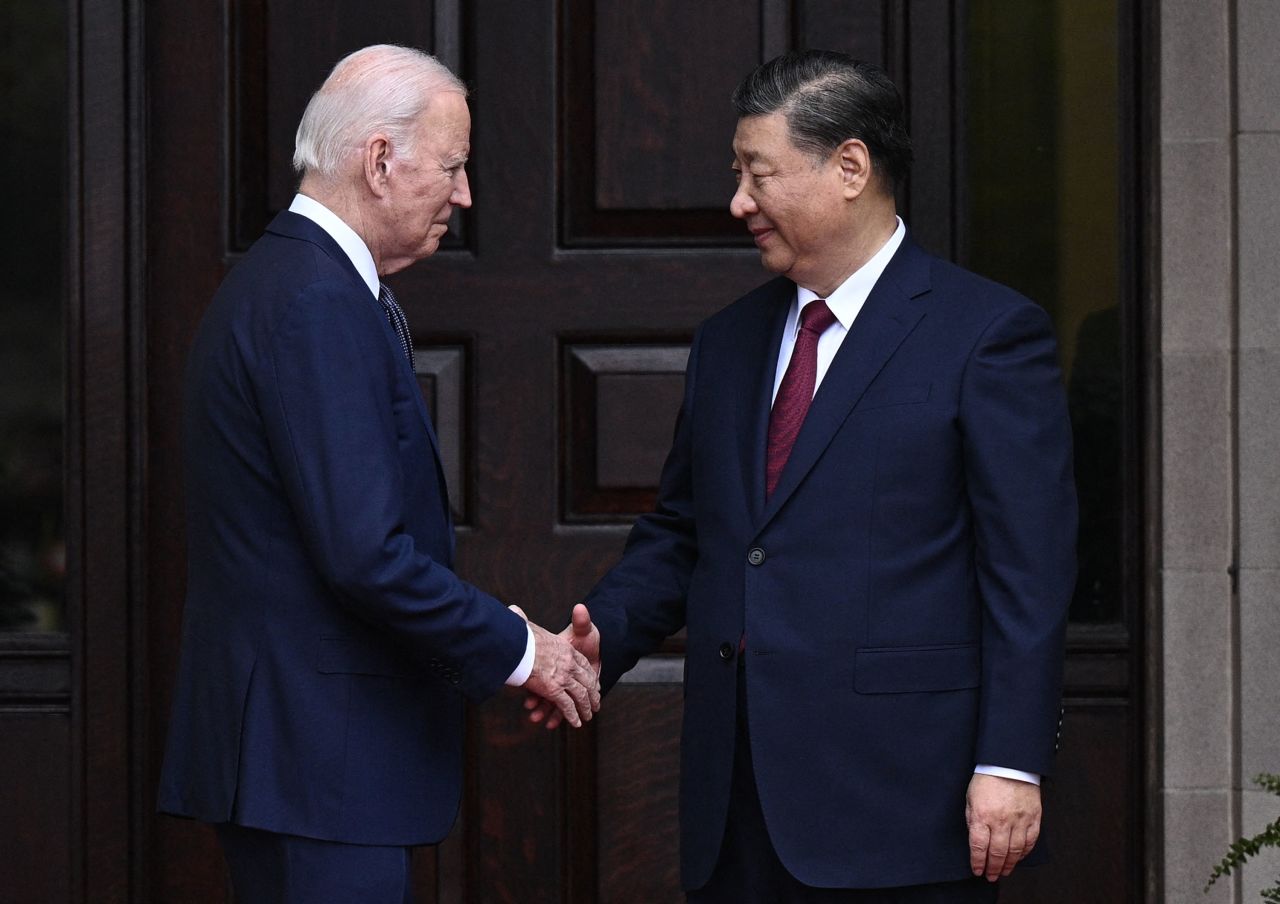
[551, 331]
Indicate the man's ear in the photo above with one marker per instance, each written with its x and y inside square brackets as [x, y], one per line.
[376, 157]
[855, 167]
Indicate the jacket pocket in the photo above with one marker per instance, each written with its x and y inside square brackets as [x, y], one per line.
[345, 656]
[884, 396]
[906, 670]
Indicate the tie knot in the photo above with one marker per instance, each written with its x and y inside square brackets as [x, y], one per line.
[816, 316]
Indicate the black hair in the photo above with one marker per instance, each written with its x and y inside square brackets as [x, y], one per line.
[828, 98]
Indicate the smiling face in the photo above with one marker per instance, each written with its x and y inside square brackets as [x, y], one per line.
[794, 204]
[422, 188]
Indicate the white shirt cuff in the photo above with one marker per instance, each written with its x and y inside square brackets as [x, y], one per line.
[525, 668]
[984, 769]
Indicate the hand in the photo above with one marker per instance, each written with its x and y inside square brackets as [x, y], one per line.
[1003, 815]
[585, 638]
[561, 676]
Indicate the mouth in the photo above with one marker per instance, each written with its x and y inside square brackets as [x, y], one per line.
[761, 233]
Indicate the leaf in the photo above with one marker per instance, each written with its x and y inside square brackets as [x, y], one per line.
[1242, 849]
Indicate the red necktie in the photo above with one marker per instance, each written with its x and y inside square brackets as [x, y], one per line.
[796, 391]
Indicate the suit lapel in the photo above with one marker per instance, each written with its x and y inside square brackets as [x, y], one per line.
[295, 226]
[760, 360]
[890, 314]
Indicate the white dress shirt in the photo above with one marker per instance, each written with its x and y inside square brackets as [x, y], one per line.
[355, 249]
[846, 302]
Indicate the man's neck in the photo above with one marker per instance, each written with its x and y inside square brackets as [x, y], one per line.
[345, 203]
[869, 231]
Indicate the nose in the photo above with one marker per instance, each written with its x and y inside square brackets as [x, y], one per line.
[461, 196]
[742, 205]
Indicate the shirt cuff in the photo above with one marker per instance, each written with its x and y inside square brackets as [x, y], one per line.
[984, 769]
[525, 668]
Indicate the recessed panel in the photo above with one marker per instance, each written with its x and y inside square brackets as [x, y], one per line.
[664, 124]
[442, 379]
[36, 834]
[647, 120]
[619, 411]
[859, 28]
[647, 124]
[300, 53]
[634, 414]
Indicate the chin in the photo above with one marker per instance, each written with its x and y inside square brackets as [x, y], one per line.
[772, 263]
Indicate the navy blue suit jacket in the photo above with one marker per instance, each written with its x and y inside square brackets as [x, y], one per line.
[327, 645]
[906, 608]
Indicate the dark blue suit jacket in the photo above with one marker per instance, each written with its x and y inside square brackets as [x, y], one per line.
[906, 610]
[327, 644]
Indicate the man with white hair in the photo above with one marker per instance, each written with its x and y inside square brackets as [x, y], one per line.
[327, 644]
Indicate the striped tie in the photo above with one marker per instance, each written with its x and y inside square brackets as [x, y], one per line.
[399, 323]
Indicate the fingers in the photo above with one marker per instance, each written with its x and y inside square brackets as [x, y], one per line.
[581, 621]
[589, 680]
[542, 712]
[998, 854]
[580, 694]
[565, 703]
[564, 678]
[1004, 824]
[979, 841]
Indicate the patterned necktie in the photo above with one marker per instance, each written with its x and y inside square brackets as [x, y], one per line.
[399, 323]
[796, 390]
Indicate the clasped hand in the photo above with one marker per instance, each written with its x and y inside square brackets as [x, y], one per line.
[565, 682]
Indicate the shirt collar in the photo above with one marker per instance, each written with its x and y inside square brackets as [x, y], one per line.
[849, 297]
[351, 244]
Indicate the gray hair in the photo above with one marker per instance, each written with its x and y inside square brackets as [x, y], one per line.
[381, 88]
[828, 98]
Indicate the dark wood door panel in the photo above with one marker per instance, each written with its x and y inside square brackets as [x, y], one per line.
[35, 798]
[637, 779]
[551, 330]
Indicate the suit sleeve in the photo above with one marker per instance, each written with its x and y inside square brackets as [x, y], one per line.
[641, 601]
[327, 401]
[1017, 448]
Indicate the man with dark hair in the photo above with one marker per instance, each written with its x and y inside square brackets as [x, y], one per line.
[867, 524]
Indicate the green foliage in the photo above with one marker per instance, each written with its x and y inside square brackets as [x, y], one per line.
[1244, 848]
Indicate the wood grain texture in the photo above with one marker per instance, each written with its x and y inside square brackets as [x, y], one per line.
[636, 795]
[662, 137]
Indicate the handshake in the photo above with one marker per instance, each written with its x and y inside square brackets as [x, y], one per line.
[564, 684]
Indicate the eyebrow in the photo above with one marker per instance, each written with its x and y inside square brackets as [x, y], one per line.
[750, 157]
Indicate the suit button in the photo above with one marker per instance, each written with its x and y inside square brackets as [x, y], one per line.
[726, 651]
[756, 556]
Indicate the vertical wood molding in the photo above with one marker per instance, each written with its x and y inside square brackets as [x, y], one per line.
[103, 411]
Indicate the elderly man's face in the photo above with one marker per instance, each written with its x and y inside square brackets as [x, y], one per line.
[425, 188]
[790, 202]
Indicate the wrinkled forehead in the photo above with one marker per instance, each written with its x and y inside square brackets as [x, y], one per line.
[762, 137]
[446, 120]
